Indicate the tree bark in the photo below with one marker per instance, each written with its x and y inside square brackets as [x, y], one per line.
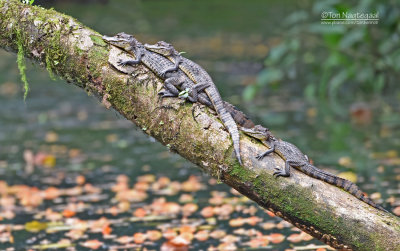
[79, 55]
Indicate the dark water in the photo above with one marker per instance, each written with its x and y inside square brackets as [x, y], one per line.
[230, 39]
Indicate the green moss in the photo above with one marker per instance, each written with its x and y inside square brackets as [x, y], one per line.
[98, 40]
[117, 95]
[11, 28]
[21, 63]
[55, 53]
[96, 56]
[293, 201]
[48, 67]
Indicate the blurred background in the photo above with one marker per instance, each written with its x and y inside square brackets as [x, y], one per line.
[333, 90]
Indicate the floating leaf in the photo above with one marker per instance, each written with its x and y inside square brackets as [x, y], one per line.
[276, 238]
[139, 238]
[154, 235]
[35, 226]
[202, 235]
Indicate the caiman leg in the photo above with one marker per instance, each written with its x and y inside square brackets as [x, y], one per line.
[195, 91]
[170, 85]
[131, 62]
[178, 60]
[171, 90]
[278, 172]
[284, 173]
[262, 155]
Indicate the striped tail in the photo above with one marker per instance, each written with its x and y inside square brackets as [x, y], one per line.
[226, 118]
[347, 185]
[238, 116]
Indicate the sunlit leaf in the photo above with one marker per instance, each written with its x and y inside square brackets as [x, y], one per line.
[348, 176]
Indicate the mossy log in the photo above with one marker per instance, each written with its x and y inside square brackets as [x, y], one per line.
[79, 55]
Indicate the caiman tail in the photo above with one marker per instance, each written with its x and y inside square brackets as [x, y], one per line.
[227, 120]
[199, 76]
[347, 185]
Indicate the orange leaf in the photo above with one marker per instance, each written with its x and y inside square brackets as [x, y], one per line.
[68, 213]
[106, 230]
[51, 193]
[180, 241]
[140, 212]
[189, 208]
[207, 212]
[80, 180]
[238, 222]
[139, 238]
[124, 239]
[295, 238]
[253, 220]
[187, 229]
[276, 238]
[169, 234]
[268, 225]
[270, 213]
[201, 235]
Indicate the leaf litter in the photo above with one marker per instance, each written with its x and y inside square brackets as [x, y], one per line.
[70, 210]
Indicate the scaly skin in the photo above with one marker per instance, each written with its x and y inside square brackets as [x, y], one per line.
[295, 158]
[157, 64]
[175, 80]
[290, 153]
[199, 76]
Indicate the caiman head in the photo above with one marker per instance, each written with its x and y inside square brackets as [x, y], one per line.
[162, 48]
[122, 40]
[258, 132]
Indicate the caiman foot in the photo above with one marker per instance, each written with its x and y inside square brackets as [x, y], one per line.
[260, 156]
[278, 172]
[164, 94]
[164, 74]
[121, 62]
[127, 62]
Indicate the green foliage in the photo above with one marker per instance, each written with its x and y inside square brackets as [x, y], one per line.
[335, 60]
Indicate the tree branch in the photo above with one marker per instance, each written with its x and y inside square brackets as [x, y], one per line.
[78, 54]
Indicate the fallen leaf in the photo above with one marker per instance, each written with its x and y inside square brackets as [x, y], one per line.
[276, 238]
[93, 244]
[35, 226]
